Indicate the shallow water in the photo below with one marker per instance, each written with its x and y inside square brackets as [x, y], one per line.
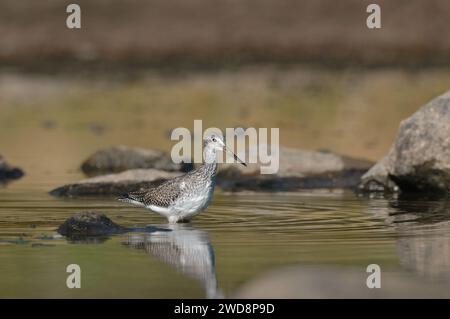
[235, 243]
[265, 245]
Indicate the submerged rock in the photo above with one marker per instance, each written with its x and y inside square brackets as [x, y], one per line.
[19, 241]
[298, 169]
[87, 224]
[8, 172]
[121, 158]
[419, 159]
[115, 184]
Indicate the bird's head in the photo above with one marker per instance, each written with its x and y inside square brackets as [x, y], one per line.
[217, 143]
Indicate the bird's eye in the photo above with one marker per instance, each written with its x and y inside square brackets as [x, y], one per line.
[214, 140]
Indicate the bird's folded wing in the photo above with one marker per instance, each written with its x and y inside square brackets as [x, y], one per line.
[162, 195]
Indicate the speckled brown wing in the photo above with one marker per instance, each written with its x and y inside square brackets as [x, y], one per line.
[162, 195]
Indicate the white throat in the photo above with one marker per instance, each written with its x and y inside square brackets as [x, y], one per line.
[210, 154]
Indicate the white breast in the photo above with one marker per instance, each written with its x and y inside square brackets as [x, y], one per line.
[193, 204]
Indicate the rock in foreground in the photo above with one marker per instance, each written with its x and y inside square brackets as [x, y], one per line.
[337, 282]
[7, 172]
[89, 224]
[419, 159]
[114, 184]
[121, 158]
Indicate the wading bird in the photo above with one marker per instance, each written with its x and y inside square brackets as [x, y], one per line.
[181, 198]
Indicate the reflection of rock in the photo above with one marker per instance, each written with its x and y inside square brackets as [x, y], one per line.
[88, 224]
[337, 282]
[121, 158]
[422, 228]
[419, 159]
[114, 184]
[7, 172]
[424, 243]
[298, 169]
[428, 255]
[185, 248]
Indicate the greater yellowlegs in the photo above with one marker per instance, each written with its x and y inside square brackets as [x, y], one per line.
[181, 198]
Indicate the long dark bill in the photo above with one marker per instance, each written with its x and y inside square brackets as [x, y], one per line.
[235, 156]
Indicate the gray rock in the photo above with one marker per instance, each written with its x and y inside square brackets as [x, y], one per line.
[419, 159]
[341, 282]
[88, 224]
[114, 184]
[121, 158]
[299, 169]
[8, 172]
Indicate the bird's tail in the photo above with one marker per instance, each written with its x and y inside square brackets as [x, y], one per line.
[128, 198]
[124, 198]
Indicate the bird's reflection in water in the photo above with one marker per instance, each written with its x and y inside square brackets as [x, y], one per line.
[187, 249]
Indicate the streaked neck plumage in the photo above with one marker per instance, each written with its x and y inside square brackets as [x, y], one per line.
[210, 159]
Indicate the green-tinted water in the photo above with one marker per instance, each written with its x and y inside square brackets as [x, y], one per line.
[263, 245]
[239, 238]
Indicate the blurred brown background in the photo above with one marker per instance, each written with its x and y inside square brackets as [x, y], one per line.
[138, 69]
[220, 31]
